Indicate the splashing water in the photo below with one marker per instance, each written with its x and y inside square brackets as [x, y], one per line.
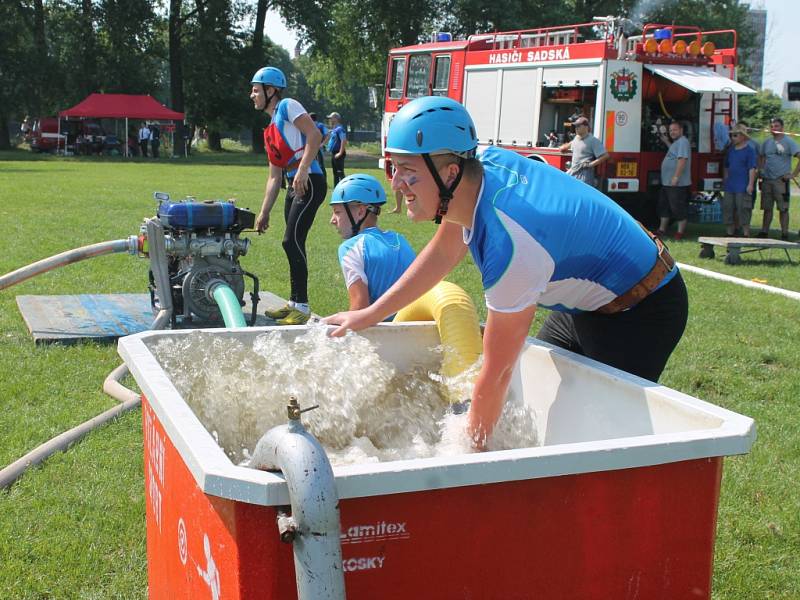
[368, 412]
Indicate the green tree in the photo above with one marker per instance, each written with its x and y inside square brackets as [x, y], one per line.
[16, 51]
[757, 109]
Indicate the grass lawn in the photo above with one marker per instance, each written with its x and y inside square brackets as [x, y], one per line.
[74, 528]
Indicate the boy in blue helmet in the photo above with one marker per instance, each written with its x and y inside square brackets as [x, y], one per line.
[372, 260]
[538, 237]
[292, 142]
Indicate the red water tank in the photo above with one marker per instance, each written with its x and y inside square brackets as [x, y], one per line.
[670, 92]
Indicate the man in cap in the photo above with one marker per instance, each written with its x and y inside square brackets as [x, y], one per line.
[738, 181]
[336, 146]
[587, 153]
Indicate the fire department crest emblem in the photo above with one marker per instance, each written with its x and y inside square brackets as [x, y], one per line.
[623, 84]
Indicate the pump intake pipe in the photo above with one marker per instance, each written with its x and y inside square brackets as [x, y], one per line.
[129, 245]
[314, 525]
[220, 292]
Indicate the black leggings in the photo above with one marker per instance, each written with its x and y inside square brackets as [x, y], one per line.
[299, 215]
[337, 164]
[639, 340]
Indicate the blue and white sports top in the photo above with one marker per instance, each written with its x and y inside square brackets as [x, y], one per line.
[285, 143]
[378, 258]
[542, 237]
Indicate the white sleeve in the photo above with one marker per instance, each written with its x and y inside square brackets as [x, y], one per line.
[353, 264]
[294, 109]
[525, 277]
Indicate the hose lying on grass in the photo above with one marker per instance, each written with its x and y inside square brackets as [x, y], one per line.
[128, 398]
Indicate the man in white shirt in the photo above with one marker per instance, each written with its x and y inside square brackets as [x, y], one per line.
[144, 138]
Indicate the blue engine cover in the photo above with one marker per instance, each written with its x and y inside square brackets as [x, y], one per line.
[197, 215]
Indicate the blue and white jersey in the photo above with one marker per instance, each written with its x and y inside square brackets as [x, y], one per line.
[542, 237]
[286, 113]
[338, 134]
[378, 258]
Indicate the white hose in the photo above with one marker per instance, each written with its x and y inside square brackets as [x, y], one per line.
[66, 258]
[743, 282]
[128, 398]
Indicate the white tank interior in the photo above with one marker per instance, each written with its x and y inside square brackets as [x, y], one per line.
[590, 417]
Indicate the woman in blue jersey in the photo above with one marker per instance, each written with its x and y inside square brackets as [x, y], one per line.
[371, 259]
[538, 237]
[292, 143]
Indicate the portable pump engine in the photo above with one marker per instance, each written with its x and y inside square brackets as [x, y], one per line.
[199, 249]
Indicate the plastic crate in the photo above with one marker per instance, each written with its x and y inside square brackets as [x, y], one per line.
[705, 212]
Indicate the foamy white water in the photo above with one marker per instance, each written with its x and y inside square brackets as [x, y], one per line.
[367, 411]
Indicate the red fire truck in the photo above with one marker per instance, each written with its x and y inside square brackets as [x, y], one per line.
[523, 88]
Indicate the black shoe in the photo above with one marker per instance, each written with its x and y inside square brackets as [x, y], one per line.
[785, 237]
[762, 234]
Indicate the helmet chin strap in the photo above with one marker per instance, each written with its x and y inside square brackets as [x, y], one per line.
[445, 193]
[356, 226]
[268, 97]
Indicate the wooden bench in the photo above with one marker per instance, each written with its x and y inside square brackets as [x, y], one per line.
[736, 246]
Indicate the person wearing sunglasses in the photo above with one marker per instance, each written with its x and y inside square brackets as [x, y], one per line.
[738, 181]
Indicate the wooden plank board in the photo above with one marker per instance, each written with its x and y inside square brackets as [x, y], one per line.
[104, 317]
[737, 242]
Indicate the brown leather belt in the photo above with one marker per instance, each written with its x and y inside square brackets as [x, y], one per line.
[648, 283]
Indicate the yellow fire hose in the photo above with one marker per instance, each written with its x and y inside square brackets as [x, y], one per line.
[457, 322]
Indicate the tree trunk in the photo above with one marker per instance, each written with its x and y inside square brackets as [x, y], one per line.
[214, 141]
[176, 68]
[5, 133]
[88, 77]
[40, 43]
[258, 55]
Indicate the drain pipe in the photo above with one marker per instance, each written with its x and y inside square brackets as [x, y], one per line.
[313, 527]
[128, 398]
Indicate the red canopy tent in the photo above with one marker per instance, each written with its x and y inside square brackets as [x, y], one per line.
[121, 106]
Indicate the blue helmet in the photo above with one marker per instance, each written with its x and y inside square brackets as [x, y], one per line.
[432, 125]
[270, 76]
[358, 188]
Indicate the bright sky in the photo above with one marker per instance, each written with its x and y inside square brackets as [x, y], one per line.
[277, 32]
[779, 62]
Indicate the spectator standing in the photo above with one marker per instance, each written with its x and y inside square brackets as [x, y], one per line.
[738, 181]
[144, 138]
[25, 129]
[336, 146]
[676, 169]
[757, 148]
[324, 131]
[155, 139]
[775, 166]
[587, 153]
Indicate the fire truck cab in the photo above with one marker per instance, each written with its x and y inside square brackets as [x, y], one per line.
[524, 89]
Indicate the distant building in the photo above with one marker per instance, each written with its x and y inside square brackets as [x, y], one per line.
[754, 59]
[785, 101]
